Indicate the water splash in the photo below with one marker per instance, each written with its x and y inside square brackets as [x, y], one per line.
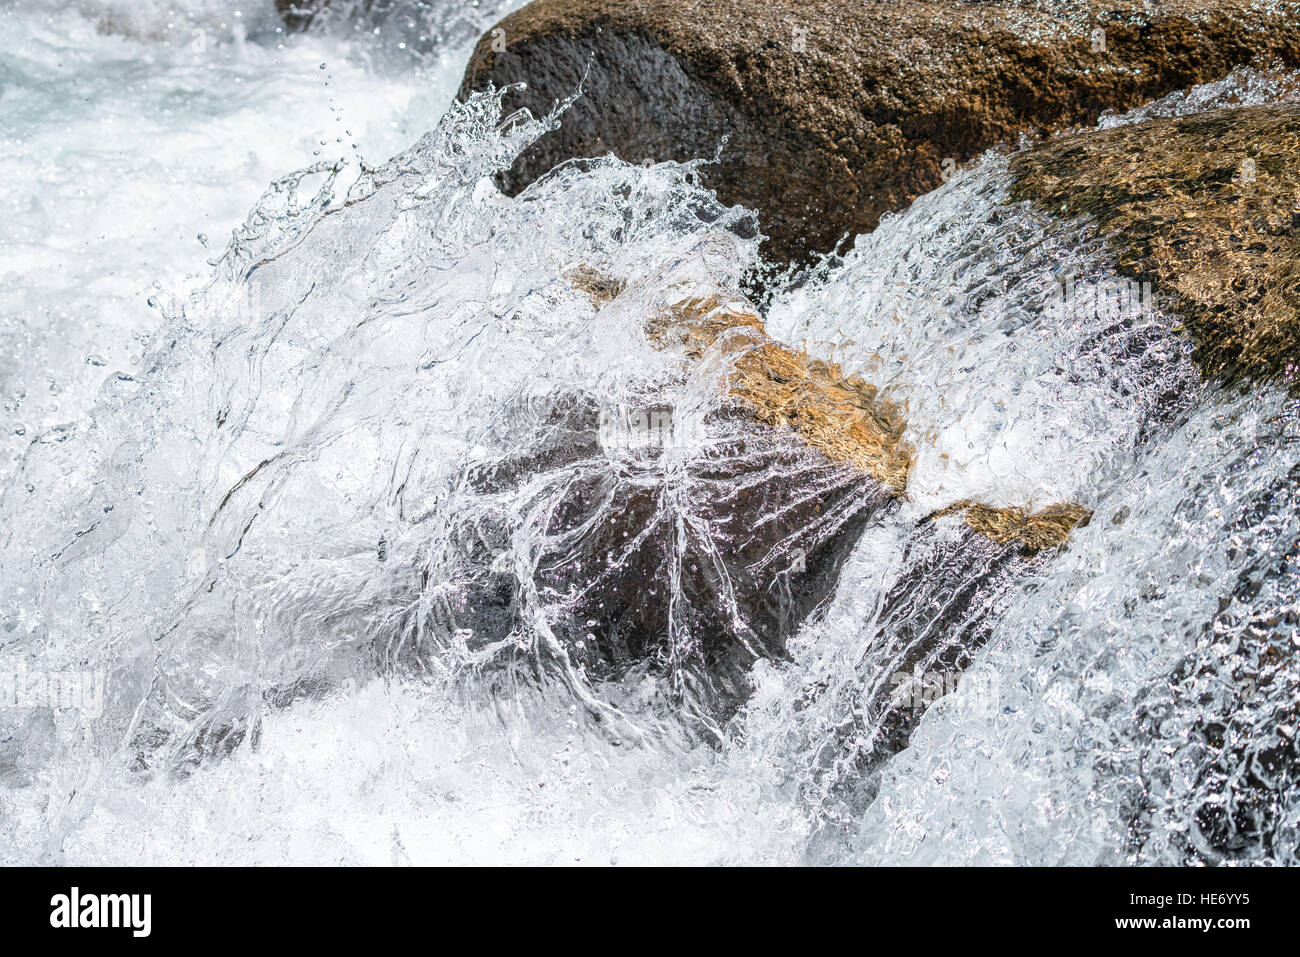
[323, 544]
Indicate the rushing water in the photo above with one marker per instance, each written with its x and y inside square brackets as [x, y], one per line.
[301, 513]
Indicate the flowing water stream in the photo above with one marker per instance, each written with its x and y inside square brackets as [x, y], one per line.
[327, 507]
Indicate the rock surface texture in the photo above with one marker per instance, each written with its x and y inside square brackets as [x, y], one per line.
[837, 111]
[1204, 207]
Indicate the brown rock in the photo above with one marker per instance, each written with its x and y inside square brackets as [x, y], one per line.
[1207, 209]
[840, 110]
[1030, 531]
[842, 417]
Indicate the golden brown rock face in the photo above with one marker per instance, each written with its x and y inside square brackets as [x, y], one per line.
[842, 417]
[1032, 531]
[837, 111]
[1207, 209]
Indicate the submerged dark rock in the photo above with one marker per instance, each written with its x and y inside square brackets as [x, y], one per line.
[644, 546]
[837, 111]
[298, 14]
[932, 622]
[956, 584]
[1230, 711]
[700, 572]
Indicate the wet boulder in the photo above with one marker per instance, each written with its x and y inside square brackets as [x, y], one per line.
[837, 111]
[1204, 208]
[690, 528]
[681, 532]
